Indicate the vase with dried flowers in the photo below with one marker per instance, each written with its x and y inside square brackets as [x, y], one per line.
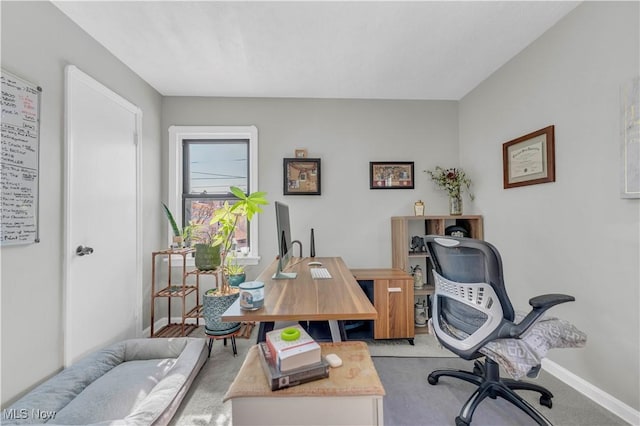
[452, 180]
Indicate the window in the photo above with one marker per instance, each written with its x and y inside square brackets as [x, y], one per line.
[204, 162]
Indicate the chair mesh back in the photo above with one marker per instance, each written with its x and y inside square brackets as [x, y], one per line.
[461, 264]
[461, 316]
[465, 265]
[470, 295]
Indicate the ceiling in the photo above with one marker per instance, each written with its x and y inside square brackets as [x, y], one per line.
[368, 50]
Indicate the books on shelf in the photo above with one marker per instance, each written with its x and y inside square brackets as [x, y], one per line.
[279, 380]
[293, 353]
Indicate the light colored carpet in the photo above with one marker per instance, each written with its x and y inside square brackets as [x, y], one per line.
[409, 399]
[425, 345]
[412, 401]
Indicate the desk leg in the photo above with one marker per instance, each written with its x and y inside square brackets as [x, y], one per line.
[263, 329]
[335, 331]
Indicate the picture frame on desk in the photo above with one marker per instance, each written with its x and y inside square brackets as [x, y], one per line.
[391, 175]
[302, 176]
[529, 159]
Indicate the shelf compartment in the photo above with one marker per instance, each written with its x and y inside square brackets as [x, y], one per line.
[403, 228]
[420, 254]
[175, 330]
[425, 290]
[176, 291]
[171, 291]
[214, 272]
[196, 312]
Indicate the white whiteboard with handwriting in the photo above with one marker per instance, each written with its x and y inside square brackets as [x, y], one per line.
[20, 156]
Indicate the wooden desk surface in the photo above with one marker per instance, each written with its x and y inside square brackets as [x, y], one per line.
[303, 298]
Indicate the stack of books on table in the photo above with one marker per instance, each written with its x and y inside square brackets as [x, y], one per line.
[289, 362]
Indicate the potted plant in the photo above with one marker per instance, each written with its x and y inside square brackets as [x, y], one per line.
[207, 254]
[235, 272]
[226, 219]
[177, 234]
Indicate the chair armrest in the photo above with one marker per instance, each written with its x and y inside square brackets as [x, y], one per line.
[540, 305]
[548, 300]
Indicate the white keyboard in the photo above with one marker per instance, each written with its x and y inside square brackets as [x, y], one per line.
[320, 273]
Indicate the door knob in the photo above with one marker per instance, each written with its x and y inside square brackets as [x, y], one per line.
[82, 250]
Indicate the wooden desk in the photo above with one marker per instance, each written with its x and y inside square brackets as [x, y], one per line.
[306, 299]
[393, 294]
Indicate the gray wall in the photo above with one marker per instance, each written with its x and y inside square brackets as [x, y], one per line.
[37, 42]
[576, 235]
[349, 219]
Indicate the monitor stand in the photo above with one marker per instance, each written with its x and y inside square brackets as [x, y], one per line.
[281, 275]
[284, 275]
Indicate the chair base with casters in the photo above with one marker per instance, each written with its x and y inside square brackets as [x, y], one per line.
[230, 334]
[487, 377]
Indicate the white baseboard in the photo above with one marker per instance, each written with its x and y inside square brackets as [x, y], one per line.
[600, 397]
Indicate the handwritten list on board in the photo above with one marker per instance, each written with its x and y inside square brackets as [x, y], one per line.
[20, 156]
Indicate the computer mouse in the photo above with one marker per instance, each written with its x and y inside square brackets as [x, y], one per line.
[333, 360]
[314, 264]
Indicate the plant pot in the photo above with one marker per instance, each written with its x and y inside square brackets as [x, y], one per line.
[213, 306]
[236, 279]
[207, 257]
[177, 242]
[455, 206]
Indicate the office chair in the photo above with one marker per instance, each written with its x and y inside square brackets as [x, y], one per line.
[470, 308]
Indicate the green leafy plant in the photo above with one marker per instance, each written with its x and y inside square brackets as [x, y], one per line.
[197, 233]
[172, 221]
[232, 267]
[451, 180]
[178, 238]
[226, 219]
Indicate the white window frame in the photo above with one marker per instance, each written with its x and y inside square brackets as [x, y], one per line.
[177, 134]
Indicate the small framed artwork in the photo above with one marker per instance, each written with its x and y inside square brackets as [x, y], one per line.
[391, 175]
[630, 132]
[300, 153]
[529, 159]
[302, 176]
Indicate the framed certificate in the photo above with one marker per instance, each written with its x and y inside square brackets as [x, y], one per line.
[529, 159]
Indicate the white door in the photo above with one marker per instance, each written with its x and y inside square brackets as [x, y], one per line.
[102, 272]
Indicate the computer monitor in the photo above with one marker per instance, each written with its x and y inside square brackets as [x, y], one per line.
[284, 242]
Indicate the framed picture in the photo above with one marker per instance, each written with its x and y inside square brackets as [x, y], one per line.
[302, 176]
[391, 175]
[529, 159]
[300, 153]
[630, 133]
